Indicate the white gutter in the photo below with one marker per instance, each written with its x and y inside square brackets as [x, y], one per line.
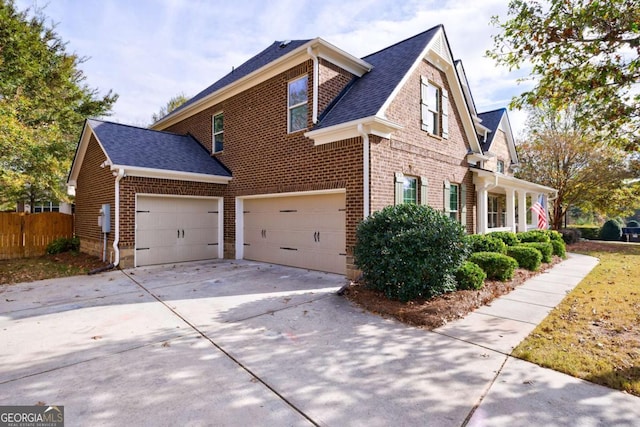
[316, 76]
[116, 240]
[365, 166]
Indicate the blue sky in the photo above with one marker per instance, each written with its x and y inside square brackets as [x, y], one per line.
[148, 51]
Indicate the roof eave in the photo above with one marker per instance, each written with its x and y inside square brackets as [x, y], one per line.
[171, 174]
[510, 181]
[373, 125]
[81, 151]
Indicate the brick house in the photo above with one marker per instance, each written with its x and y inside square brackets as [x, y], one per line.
[280, 159]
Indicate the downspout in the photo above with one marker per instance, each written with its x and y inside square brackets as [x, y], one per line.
[365, 167]
[316, 76]
[116, 240]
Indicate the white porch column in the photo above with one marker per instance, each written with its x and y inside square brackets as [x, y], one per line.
[511, 209]
[522, 210]
[482, 209]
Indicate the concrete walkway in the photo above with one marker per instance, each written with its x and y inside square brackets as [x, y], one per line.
[236, 343]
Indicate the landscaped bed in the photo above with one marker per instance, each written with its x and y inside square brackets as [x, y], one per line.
[47, 267]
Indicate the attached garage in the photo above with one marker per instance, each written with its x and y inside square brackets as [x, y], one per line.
[177, 229]
[302, 230]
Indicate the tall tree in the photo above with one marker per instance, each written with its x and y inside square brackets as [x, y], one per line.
[173, 103]
[587, 172]
[579, 50]
[43, 102]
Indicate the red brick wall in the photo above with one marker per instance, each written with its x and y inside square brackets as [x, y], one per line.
[500, 148]
[95, 187]
[265, 159]
[415, 152]
[332, 79]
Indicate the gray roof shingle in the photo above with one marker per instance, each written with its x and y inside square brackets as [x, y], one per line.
[366, 95]
[270, 54]
[145, 148]
[491, 119]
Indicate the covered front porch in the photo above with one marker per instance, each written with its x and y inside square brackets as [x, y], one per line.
[504, 202]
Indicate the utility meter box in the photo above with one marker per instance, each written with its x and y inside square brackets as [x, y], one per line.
[104, 220]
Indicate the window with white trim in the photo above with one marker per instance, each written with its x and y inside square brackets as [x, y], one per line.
[454, 201]
[297, 100]
[410, 190]
[218, 132]
[434, 112]
[500, 168]
[492, 211]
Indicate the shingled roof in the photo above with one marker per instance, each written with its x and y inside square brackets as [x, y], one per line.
[491, 119]
[366, 95]
[145, 148]
[270, 54]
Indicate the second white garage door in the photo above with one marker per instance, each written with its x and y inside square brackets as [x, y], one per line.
[175, 229]
[305, 231]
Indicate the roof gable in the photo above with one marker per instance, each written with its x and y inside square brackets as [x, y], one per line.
[498, 120]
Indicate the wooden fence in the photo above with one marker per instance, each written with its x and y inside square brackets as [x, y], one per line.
[27, 235]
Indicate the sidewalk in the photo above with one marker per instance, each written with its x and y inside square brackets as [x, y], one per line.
[522, 393]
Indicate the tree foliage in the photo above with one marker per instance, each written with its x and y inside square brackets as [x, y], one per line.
[586, 171]
[585, 51]
[43, 102]
[172, 104]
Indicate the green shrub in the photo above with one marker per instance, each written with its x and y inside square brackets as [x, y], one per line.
[509, 238]
[63, 244]
[611, 230]
[534, 236]
[553, 235]
[497, 266]
[633, 223]
[559, 248]
[470, 276]
[545, 248]
[589, 232]
[527, 256]
[410, 251]
[570, 235]
[486, 243]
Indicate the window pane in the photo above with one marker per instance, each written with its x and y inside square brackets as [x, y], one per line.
[219, 142]
[432, 97]
[218, 124]
[298, 118]
[453, 198]
[409, 190]
[298, 91]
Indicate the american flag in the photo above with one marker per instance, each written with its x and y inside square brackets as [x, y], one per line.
[539, 209]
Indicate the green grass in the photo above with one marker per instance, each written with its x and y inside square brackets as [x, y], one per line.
[594, 333]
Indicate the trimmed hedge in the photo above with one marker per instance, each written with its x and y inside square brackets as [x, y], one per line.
[545, 248]
[527, 256]
[470, 276]
[559, 248]
[495, 265]
[63, 244]
[611, 230]
[486, 243]
[509, 238]
[534, 236]
[589, 232]
[570, 235]
[410, 251]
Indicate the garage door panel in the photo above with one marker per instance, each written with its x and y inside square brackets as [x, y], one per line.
[175, 229]
[302, 231]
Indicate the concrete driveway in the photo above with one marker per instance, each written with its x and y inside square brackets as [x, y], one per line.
[240, 343]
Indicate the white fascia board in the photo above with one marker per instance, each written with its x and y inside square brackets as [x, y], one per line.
[341, 58]
[169, 174]
[81, 151]
[506, 128]
[371, 125]
[474, 157]
[280, 65]
[512, 182]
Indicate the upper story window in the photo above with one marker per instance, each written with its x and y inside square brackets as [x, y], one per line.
[218, 132]
[500, 168]
[434, 102]
[297, 104]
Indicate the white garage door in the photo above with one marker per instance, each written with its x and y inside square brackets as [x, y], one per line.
[301, 231]
[175, 229]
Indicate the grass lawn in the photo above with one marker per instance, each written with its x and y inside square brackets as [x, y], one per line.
[594, 333]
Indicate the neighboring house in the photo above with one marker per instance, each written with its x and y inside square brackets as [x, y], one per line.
[280, 160]
[39, 207]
